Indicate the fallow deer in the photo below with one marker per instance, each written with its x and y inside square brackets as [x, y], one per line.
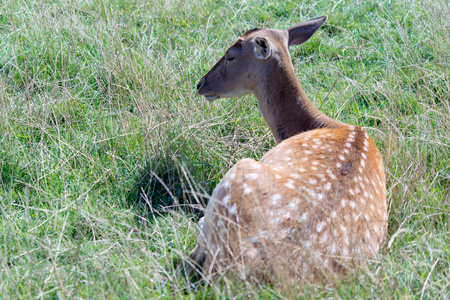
[313, 206]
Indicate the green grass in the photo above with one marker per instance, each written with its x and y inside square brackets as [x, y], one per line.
[106, 151]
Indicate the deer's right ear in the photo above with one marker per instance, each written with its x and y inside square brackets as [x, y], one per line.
[300, 33]
[261, 48]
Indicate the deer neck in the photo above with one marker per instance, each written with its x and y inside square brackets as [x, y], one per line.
[285, 106]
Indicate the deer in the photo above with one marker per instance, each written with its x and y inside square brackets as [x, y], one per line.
[314, 206]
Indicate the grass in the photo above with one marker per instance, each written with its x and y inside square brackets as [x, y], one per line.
[107, 153]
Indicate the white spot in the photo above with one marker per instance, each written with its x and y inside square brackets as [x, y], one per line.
[307, 152]
[276, 220]
[226, 199]
[378, 229]
[366, 143]
[363, 164]
[348, 145]
[225, 184]
[346, 151]
[324, 238]
[277, 176]
[303, 217]
[314, 168]
[365, 148]
[275, 198]
[301, 170]
[338, 165]
[351, 127]
[333, 214]
[351, 192]
[293, 205]
[320, 226]
[327, 186]
[256, 166]
[288, 151]
[344, 202]
[312, 181]
[233, 209]
[332, 248]
[312, 193]
[201, 222]
[315, 163]
[357, 190]
[290, 185]
[247, 189]
[232, 175]
[286, 215]
[218, 223]
[364, 155]
[287, 158]
[320, 196]
[341, 157]
[295, 175]
[352, 204]
[251, 176]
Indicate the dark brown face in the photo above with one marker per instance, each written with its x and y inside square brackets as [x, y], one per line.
[227, 78]
[234, 75]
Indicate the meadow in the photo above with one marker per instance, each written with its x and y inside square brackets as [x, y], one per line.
[107, 155]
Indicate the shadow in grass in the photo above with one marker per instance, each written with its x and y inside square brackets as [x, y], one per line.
[165, 184]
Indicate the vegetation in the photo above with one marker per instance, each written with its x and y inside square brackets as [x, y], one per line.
[107, 154]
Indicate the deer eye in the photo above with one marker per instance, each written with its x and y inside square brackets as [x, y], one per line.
[230, 58]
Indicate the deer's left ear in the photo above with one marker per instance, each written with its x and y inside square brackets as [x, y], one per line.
[300, 33]
[261, 47]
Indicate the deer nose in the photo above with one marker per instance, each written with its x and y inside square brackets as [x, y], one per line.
[200, 83]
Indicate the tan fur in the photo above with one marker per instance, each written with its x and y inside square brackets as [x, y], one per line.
[315, 205]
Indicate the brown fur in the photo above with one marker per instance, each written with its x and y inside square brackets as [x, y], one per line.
[315, 204]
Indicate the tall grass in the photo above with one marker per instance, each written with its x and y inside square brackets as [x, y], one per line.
[107, 154]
